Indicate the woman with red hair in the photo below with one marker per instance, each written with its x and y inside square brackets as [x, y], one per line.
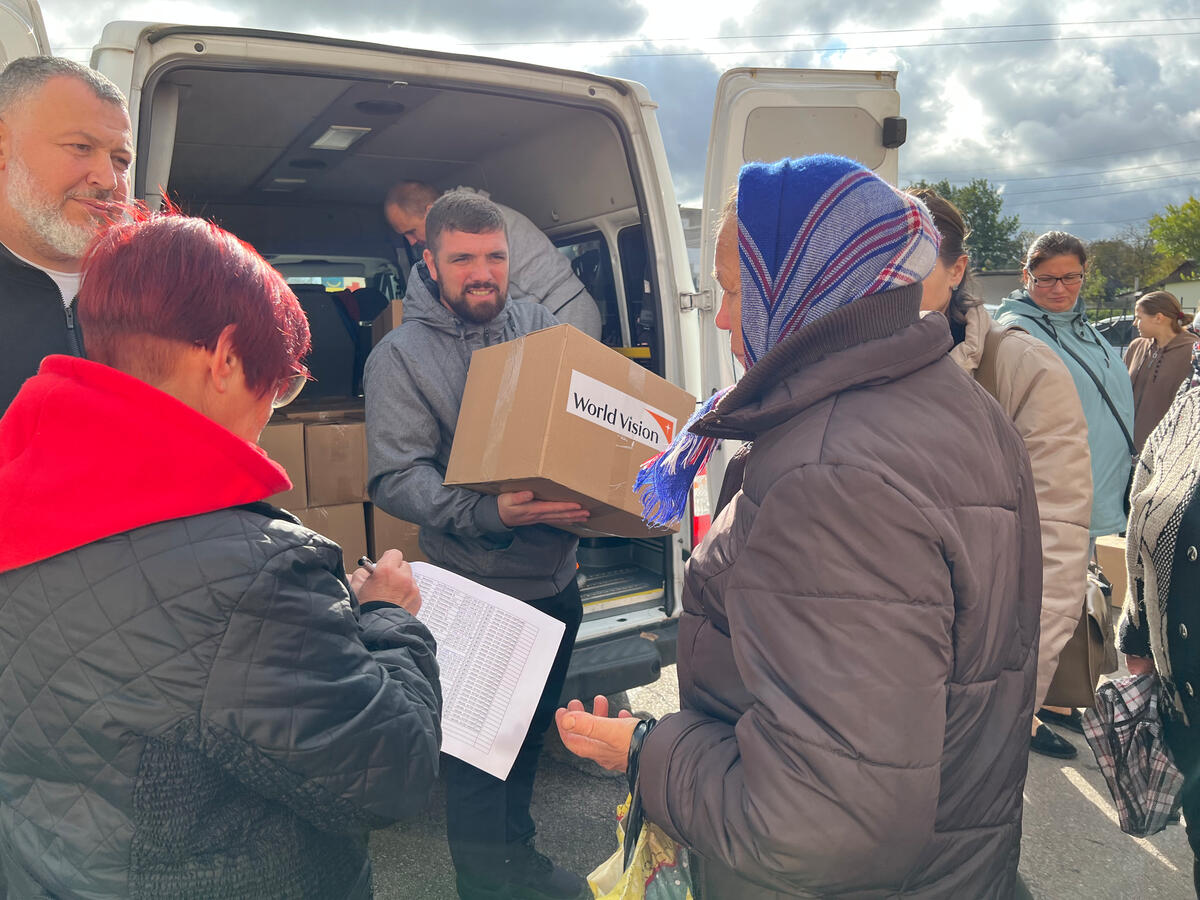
[193, 700]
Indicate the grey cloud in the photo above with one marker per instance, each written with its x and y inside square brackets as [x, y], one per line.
[685, 88]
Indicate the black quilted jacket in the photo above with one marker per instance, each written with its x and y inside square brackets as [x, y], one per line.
[198, 708]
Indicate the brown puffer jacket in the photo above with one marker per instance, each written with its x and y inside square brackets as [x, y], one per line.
[857, 651]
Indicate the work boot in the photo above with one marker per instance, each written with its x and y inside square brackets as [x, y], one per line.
[533, 876]
[1047, 743]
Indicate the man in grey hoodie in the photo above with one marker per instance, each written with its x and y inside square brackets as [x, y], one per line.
[457, 302]
[537, 271]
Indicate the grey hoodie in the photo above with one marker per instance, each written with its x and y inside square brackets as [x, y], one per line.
[414, 383]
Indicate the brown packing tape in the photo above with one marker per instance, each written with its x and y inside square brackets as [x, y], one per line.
[502, 411]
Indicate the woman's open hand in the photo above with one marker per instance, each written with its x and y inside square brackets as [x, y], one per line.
[594, 735]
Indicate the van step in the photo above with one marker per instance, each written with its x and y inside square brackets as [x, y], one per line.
[617, 664]
[609, 588]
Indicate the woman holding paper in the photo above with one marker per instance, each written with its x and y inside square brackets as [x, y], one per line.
[857, 647]
[192, 700]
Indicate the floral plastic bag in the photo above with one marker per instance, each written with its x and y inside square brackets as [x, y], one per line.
[657, 867]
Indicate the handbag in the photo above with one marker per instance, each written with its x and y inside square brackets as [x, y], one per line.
[648, 863]
[1091, 651]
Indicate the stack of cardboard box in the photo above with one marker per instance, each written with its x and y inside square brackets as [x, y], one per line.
[325, 454]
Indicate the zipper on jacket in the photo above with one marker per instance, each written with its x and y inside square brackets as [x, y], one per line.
[74, 337]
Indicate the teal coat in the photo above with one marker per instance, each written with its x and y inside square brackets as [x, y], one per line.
[1110, 451]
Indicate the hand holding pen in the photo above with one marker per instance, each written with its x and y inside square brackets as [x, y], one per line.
[389, 580]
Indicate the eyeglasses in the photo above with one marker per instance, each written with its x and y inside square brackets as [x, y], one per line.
[1047, 281]
[288, 388]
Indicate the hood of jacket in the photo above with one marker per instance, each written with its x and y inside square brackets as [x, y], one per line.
[835, 353]
[1019, 303]
[87, 452]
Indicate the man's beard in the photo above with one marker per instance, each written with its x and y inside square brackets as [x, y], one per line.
[480, 315]
[44, 216]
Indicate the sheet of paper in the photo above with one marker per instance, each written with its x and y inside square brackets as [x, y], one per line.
[494, 653]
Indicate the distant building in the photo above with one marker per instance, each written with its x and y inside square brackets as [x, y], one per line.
[996, 284]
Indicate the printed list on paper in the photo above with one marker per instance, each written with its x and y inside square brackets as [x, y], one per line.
[494, 653]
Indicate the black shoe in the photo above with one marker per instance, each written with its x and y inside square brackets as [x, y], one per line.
[533, 876]
[1047, 743]
[1072, 722]
[479, 886]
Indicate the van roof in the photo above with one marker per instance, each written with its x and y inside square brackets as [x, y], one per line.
[154, 33]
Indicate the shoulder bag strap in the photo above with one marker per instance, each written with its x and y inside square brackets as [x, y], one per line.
[1112, 407]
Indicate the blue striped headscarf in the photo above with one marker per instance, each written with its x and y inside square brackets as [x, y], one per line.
[813, 235]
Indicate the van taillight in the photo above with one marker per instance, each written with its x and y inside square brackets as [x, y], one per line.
[701, 507]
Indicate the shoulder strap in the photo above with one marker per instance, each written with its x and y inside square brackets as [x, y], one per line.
[985, 375]
[1112, 407]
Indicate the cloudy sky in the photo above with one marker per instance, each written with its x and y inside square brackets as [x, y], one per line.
[1086, 113]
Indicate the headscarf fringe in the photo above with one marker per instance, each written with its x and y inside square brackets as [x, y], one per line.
[662, 483]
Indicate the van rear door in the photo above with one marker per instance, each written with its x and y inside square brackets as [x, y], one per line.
[22, 32]
[765, 115]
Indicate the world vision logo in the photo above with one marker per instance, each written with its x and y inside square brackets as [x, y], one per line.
[619, 412]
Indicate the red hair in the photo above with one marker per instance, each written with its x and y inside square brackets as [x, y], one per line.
[177, 278]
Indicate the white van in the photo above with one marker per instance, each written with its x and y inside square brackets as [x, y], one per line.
[290, 141]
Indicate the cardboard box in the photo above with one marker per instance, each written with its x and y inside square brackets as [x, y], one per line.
[386, 321]
[563, 415]
[335, 456]
[1110, 552]
[344, 524]
[387, 532]
[284, 442]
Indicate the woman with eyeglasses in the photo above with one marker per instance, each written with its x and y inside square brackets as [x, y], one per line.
[193, 700]
[1049, 308]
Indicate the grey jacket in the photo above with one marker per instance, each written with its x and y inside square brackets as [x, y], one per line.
[414, 381]
[197, 708]
[858, 646]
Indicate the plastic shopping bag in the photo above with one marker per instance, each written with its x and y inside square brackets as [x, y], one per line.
[657, 868]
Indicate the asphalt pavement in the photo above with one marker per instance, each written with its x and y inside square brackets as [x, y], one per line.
[1072, 847]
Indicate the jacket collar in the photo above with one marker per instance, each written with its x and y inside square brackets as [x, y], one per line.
[874, 340]
[969, 352]
[87, 452]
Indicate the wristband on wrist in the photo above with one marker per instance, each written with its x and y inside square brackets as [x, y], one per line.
[635, 748]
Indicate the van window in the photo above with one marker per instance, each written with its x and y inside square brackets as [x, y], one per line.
[644, 341]
[330, 284]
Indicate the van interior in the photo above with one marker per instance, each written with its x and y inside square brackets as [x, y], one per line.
[297, 163]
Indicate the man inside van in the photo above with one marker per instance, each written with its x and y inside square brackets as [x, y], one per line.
[65, 151]
[537, 271]
[458, 301]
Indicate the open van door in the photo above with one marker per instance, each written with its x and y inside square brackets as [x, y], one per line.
[22, 31]
[767, 114]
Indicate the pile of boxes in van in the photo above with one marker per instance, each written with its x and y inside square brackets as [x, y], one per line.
[325, 454]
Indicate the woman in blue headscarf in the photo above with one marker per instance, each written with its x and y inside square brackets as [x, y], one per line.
[857, 646]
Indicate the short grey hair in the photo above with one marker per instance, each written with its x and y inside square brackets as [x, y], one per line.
[464, 211]
[22, 77]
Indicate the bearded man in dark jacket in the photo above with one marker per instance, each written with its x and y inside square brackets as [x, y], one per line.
[194, 702]
[65, 151]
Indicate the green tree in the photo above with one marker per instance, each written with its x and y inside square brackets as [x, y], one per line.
[994, 241]
[1177, 230]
